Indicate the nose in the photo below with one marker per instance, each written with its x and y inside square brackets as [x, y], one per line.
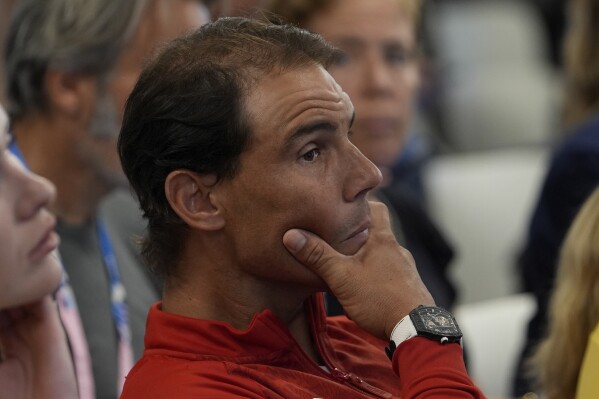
[362, 176]
[378, 79]
[35, 192]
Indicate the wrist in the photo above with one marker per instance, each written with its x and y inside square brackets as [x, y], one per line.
[430, 322]
[403, 330]
[400, 314]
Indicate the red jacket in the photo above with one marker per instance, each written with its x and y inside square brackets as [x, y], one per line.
[194, 358]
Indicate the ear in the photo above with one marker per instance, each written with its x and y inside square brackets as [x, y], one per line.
[70, 93]
[189, 194]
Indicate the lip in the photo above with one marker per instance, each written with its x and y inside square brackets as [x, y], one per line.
[359, 236]
[48, 242]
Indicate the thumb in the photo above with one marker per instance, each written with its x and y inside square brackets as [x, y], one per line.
[312, 251]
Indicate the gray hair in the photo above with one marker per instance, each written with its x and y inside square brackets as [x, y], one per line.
[73, 36]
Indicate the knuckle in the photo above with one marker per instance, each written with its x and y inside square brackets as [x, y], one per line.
[314, 255]
[407, 255]
[379, 207]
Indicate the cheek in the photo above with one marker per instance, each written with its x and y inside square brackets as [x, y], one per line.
[8, 262]
[28, 282]
[280, 206]
[408, 85]
[258, 238]
[9, 232]
[13, 269]
[413, 78]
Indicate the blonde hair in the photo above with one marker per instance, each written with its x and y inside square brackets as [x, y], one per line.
[581, 59]
[299, 12]
[574, 307]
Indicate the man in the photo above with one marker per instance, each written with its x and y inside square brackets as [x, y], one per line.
[70, 65]
[379, 70]
[233, 136]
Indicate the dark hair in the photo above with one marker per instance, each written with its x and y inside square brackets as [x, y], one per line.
[187, 112]
[73, 36]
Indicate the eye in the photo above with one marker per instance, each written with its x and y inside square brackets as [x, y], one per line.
[341, 58]
[311, 155]
[399, 56]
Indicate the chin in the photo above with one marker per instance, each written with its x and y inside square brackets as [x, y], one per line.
[30, 292]
[352, 245]
[51, 269]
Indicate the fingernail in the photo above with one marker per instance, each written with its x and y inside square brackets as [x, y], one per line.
[295, 240]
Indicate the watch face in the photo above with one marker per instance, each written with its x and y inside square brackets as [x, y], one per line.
[435, 321]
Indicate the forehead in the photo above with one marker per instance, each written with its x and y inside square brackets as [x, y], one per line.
[160, 21]
[282, 102]
[364, 19]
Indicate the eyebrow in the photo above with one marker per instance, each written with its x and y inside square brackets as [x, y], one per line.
[349, 42]
[314, 127]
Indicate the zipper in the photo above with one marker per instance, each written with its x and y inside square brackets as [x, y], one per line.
[357, 382]
[334, 372]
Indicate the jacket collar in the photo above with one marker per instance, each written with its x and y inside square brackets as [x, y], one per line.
[265, 336]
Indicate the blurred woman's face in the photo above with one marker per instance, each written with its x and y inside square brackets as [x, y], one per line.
[378, 70]
[29, 268]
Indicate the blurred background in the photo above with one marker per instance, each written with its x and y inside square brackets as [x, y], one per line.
[491, 110]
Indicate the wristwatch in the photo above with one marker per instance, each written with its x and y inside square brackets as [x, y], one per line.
[430, 322]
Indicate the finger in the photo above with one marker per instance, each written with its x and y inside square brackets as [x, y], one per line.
[311, 251]
[379, 214]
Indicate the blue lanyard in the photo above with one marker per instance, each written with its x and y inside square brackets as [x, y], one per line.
[120, 312]
[12, 147]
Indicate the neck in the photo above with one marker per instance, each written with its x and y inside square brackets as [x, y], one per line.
[217, 292]
[49, 150]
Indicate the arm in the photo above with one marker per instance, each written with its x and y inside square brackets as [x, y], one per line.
[36, 362]
[377, 287]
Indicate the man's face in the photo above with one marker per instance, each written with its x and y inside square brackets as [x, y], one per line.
[301, 170]
[378, 70]
[162, 21]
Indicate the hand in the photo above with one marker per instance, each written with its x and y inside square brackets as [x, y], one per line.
[377, 286]
[36, 362]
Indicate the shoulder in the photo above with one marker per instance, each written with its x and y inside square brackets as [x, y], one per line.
[582, 139]
[587, 385]
[162, 376]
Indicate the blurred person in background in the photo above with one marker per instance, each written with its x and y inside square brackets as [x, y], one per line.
[553, 14]
[34, 356]
[379, 70]
[573, 172]
[70, 65]
[233, 8]
[581, 58]
[6, 7]
[562, 368]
